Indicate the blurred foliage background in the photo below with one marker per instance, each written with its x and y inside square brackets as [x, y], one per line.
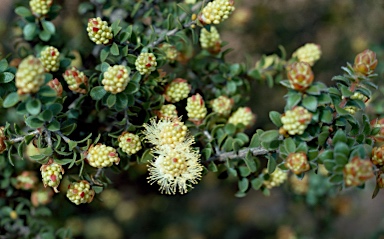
[299, 209]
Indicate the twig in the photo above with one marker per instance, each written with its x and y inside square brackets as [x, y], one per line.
[222, 157]
[21, 138]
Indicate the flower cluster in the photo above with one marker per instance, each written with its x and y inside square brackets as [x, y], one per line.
[276, 178]
[98, 31]
[129, 143]
[168, 111]
[116, 78]
[177, 90]
[50, 58]
[216, 11]
[210, 40]
[365, 62]
[300, 75]
[40, 7]
[30, 75]
[100, 156]
[357, 171]
[51, 174]
[176, 165]
[170, 52]
[222, 105]
[146, 63]
[308, 53]
[196, 108]
[80, 192]
[295, 121]
[77, 81]
[297, 162]
[242, 115]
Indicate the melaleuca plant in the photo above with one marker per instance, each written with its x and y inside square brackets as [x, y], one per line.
[154, 88]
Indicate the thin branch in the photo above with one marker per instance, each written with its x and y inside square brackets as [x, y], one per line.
[21, 138]
[241, 154]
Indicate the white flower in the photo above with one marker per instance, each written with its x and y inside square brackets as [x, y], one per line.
[175, 168]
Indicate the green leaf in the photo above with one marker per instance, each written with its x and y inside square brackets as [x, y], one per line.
[185, 8]
[243, 184]
[271, 165]
[341, 148]
[326, 116]
[47, 91]
[336, 178]
[3, 65]
[33, 106]
[72, 144]
[230, 129]
[46, 115]
[212, 167]
[121, 101]
[45, 35]
[339, 137]
[23, 11]
[275, 118]
[6, 77]
[115, 49]
[244, 171]
[290, 145]
[48, 26]
[111, 100]
[132, 87]
[33, 122]
[257, 183]
[293, 100]
[55, 108]
[104, 54]
[146, 157]
[54, 125]
[310, 103]
[11, 100]
[250, 162]
[269, 136]
[255, 141]
[115, 27]
[67, 130]
[98, 92]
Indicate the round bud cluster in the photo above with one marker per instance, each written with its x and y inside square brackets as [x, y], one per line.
[56, 86]
[170, 51]
[98, 31]
[80, 192]
[168, 111]
[242, 115]
[116, 78]
[167, 131]
[77, 81]
[101, 156]
[276, 178]
[27, 180]
[51, 174]
[146, 63]
[177, 90]
[40, 7]
[196, 108]
[378, 156]
[379, 137]
[210, 40]
[222, 105]
[295, 121]
[299, 186]
[129, 143]
[351, 109]
[30, 75]
[357, 171]
[3, 146]
[216, 11]
[365, 62]
[50, 58]
[297, 162]
[300, 75]
[308, 53]
[41, 196]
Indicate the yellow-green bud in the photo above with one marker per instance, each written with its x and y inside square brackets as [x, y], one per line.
[210, 40]
[357, 171]
[177, 90]
[101, 156]
[146, 63]
[129, 143]
[80, 192]
[295, 121]
[77, 81]
[308, 53]
[297, 162]
[98, 31]
[50, 58]
[222, 105]
[216, 11]
[365, 62]
[40, 7]
[242, 115]
[196, 108]
[116, 79]
[30, 75]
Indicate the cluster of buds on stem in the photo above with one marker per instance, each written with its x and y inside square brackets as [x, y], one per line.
[77, 81]
[30, 75]
[222, 105]
[244, 116]
[49, 56]
[295, 121]
[167, 111]
[177, 90]
[297, 162]
[146, 63]
[129, 143]
[40, 7]
[27, 180]
[56, 86]
[357, 171]
[300, 75]
[210, 40]
[365, 62]
[51, 174]
[216, 11]
[116, 79]
[378, 156]
[196, 108]
[100, 156]
[170, 52]
[308, 53]
[80, 192]
[275, 179]
[98, 31]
